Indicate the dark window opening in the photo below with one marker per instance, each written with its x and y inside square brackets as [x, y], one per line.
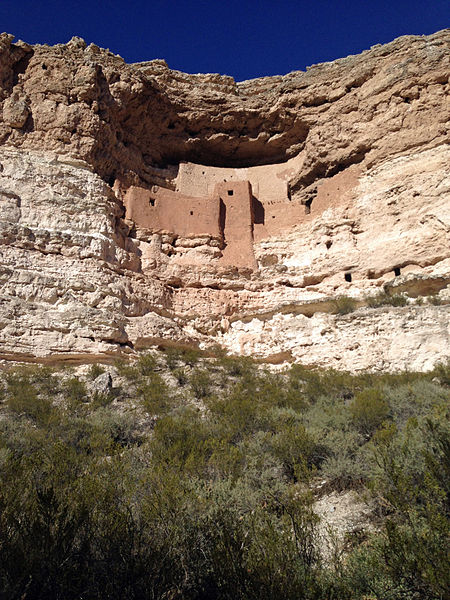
[152, 201]
[308, 207]
[230, 192]
[222, 217]
[191, 212]
[348, 277]
[397, 271]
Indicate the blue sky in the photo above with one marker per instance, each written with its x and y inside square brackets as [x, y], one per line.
[244, 39]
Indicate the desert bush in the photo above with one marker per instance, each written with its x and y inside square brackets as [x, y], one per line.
[201, 383]
[413, 481]
[146, 364]
[154, 394]
[128, 370]
[214, 503]
[415, 399]
[180, 375]
[442, 373]
[343, 305]
[236, 366]
[314, 383]
[121, 428]
[398, 300]
[368, 410]
[74, 391]
[386, 299]
[95, 370]
[297, 450]
[187, 356]
[347, 464]
[24, 399]
[182, 442]
[100, 399]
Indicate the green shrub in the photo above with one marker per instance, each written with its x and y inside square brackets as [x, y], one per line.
[180, 375]
[343, 305]
[386, 299]
[94, 371]
[201, 383]
[100, 399]
[398, 300]
[23, 398]
[442, 373]
[146, 364]
[368, 410]
[155, 395]
[236, 366]
[187, 356]
[191, 356]
[121, 428]
[75, 391]
[128, 370]
[314, 383]
[413, 483]
[296, 449]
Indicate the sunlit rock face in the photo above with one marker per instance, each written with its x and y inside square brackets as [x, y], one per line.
[144, 206]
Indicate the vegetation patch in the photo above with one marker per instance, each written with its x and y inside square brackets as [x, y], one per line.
[196, 478]
[385, 299]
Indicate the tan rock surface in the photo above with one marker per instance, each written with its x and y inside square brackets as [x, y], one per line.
[348, 166]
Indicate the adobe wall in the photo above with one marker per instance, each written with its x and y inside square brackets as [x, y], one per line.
[163, 210]
[269, 182]
[273, 209]
[241, 206]
[236, 220]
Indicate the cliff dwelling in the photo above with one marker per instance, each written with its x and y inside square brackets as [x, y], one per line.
[237, 206]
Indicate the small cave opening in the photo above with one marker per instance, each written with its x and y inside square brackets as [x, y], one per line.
[348, 277]
[397, 271]
[191, 212]
[111, 179]
[152, 201]
[230, 192]
[21, 66]
[308, 206]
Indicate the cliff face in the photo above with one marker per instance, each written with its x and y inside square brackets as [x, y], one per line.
[144, 206]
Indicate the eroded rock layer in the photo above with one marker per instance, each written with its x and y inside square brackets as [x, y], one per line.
[144, 206]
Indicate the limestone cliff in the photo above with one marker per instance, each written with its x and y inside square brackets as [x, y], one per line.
[142, 206]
